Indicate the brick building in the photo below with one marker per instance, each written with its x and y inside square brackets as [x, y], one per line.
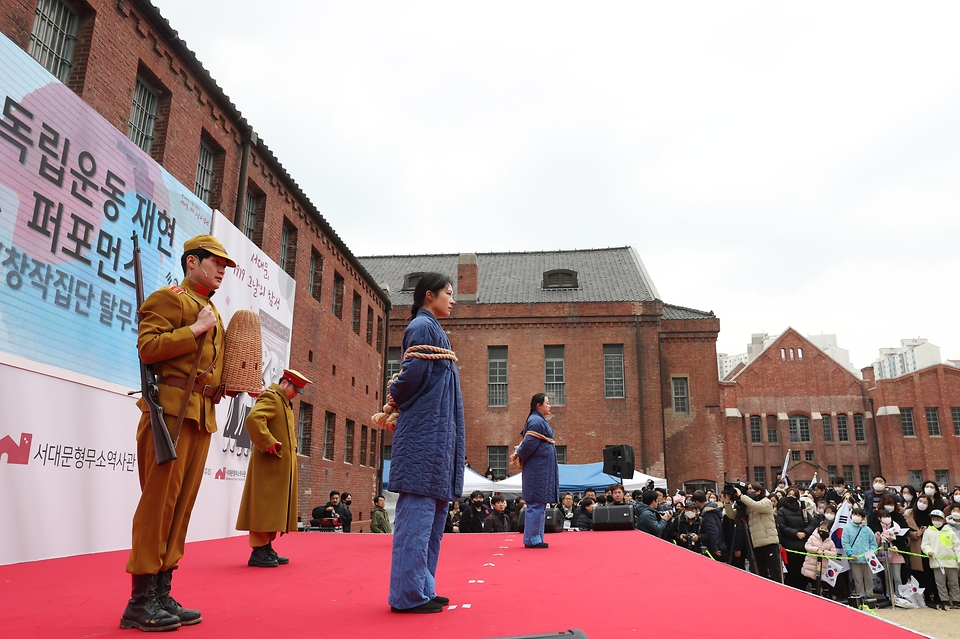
[587, 327]
[124, 59]
[795, 397]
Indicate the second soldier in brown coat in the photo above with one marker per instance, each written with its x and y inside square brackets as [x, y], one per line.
[269, 503]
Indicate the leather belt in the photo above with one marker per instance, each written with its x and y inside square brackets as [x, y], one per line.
[198, 387]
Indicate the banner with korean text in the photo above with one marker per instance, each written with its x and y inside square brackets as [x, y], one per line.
[73, 191]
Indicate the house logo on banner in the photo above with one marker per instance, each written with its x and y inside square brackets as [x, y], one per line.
[16, 453]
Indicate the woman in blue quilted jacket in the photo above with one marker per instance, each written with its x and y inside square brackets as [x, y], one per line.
[537, 453]
[429, 447]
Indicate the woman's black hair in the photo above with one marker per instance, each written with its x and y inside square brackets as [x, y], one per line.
[432, 281]
[535, 401]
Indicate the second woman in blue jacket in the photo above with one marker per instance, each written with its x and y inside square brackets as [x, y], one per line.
[541, 475]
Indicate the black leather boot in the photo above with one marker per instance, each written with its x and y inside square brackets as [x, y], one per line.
[260, 557]
[187, 617]
[144, 611]
[273, 553]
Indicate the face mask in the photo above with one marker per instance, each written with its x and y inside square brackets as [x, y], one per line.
[824, 534]
[938, 524]
[878, 486]
[829, 516]
[689, 515]
[921, 506]
[886, 520]
[348, 502]
[889, 508]
[956, 499]
[856, 519]
[907, 497]
[929, 491]
[820, 511]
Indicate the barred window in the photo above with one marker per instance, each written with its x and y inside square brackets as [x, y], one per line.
[379, 334]
[393, 361]
[942, 477]
[53, 37]
[773, 430]
[337, 308]
[373, 447]
[680, 395]
[775, 474]
[357, 311]
[554, 375]
[933, 422]
[756, 434]
[843, 433]
[497, 460]
[760, 475]
[827, 428]
[865, 476]
[906, 422]
[955, 415]
[808, 455]
[561, 454]
[832, 472]
[363, 445]
[143, 115]
[316, 274]
[305, 429]
[560, 279]
[848, 475]
[329, 434]
[387, 452]
[370, 325]
[348, 434]
[859, 434]
[799, 429]
[795, 455]
[916, 478]
[497, 376]
[250, 215]
[613, 371]
[204, 180]
[288, 249]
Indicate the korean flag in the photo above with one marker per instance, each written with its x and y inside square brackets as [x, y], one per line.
[873, 562]
[833, 570]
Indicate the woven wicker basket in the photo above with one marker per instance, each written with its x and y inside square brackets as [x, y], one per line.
[243, 354]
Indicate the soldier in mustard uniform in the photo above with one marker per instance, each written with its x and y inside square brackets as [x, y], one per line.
[172, 320]
[269, 504]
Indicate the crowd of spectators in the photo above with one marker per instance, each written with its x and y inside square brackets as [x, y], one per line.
[784, 535]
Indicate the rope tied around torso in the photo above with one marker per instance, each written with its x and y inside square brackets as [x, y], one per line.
[391, 413]
[514, 458]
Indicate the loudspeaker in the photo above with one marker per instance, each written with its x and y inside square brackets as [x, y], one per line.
[612, 517]
[554, 521]
[618, 461]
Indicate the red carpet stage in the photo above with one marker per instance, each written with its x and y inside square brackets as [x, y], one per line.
[611, 585]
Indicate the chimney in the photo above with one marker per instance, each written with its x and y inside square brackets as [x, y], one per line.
[467, 279]
[868, 378]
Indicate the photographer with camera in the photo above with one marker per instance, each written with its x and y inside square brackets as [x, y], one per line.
[685, 529]
[762, 528]
[648, 519]
[711, 527]
[735, 527]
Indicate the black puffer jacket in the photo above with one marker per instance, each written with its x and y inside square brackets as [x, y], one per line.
[791, 519]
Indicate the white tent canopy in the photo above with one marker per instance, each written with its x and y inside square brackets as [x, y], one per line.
[596, 480]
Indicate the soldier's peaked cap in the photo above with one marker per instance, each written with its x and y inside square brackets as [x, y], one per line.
[295, 378]
[208, 243]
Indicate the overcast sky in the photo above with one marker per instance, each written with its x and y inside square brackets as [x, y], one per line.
[782, 165]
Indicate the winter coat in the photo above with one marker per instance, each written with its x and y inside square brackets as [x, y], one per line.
[871, 500]
[429, 443]
[791, 521]
[763, 527]
[857, 539]
[916, 563]
[541, 474]
[471, 519]
[944, 544]
[882, 535]
[380, 521]
[817, 546]
[686, 529]
[584, 520]
[269, 502]
[712, 529]
[496, 522]
[649, 520]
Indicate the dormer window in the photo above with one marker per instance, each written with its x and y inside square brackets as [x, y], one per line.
[560, 279]
[410, 281]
